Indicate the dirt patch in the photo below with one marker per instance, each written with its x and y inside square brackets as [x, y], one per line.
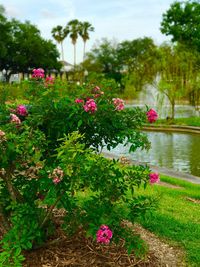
[170, 185]
[165, 254]
[196, 201]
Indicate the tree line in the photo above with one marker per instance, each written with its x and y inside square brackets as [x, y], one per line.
[173, 67]
[23, 48]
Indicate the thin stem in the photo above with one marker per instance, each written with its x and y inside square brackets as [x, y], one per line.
[7, 178]
[5, 223]
[51, 210]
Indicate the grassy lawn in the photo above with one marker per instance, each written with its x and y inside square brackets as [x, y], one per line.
[192, 121]
[177, 219]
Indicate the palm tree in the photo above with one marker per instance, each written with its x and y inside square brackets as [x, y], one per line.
[59, 34]
[85, 28]
[74, 26]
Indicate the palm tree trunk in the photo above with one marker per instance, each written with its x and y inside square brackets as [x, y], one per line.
[74, 56]
[62, 51]
[84, 46]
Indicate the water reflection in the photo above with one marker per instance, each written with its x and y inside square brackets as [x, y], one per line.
[178, 151]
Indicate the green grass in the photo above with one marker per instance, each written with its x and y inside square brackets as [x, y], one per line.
[192, 121]
[177, 219]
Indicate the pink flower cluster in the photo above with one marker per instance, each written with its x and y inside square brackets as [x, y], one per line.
[90, 106]
[15, 119]
[22, 110]
[96, 89]
[152, 115]
[2, 136]
[57, 175]
[38, 73]
[154, 178]
[104, 234]
[97, 92]
[49, 81]
[78, 100]
[118, 103]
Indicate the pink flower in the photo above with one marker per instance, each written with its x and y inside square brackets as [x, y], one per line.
[118, 103]
[38, 73]
[97, 95]
[40, 196]
[57, 175]
[96, 89]
[49, 81]
[154, 178]
[78, 100]
[104, 234]
[21, 110]
[56, 180]
[97, 92]
[90, 106]
[15, 119]
[2, 134]
[152, 115]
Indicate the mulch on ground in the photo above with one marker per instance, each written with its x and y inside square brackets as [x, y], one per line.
[79, 251]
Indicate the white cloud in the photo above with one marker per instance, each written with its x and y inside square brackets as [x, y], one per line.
[45, 13]
[13, 11]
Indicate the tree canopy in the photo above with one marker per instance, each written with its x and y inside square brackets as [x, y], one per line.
[23, 48]
[182, 22]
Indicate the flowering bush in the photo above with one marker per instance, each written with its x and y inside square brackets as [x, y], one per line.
[90, 106]
[78, 100]
[49, 81]
[2, 134]
[119, 103]
[154, 178]
[152, 115]
[57, 175]
[22, 110]
[38, 73]
[104, 235]
[15, 119]
[50, 161]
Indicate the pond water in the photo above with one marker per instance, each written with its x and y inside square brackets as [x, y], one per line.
[177, 151]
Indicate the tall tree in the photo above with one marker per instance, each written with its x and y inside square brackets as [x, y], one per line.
[26, 49]
[103, 58]
[182, 22]
[74, 27]
[139, 59]
[178, 73]
[59, 34]
[5, 37]
[85, 28]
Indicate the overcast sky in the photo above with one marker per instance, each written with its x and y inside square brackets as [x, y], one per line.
[119, 19]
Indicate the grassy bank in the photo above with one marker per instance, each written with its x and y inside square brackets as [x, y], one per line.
[178, 218]
[192, 121]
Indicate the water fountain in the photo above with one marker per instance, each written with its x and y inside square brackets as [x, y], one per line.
[153, 98]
